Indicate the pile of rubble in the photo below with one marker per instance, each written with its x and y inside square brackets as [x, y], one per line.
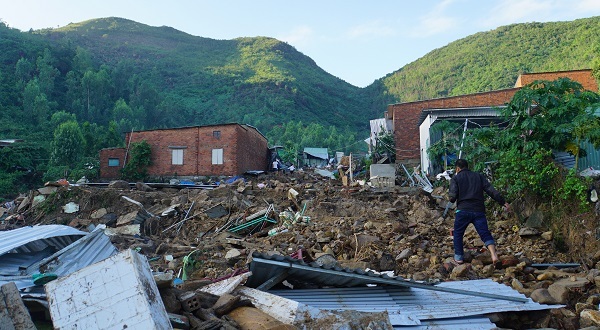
[194, 238]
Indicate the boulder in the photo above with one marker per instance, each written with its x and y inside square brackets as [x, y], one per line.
[543, 296]
[589, 318]
[119, 184]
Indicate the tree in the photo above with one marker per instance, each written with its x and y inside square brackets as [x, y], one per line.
[68, 145]
[136, 167]
[545, 116]
[47, 73]
[35, 104]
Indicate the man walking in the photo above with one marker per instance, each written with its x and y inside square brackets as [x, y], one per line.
[466, 189]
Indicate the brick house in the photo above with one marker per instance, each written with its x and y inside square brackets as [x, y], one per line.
[405, 116]
[226, 149]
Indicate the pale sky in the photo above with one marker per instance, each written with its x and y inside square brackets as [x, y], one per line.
[357, 41]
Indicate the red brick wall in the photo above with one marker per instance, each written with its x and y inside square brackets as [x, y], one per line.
[111, 172]
[406, 116]
[244, 148]
[252, 150]
[584, 77]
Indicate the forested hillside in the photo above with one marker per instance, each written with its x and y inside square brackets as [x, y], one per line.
[492, 60]
[71, 91]
[193, 80]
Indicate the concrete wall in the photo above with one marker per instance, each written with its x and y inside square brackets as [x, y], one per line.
[116, 293]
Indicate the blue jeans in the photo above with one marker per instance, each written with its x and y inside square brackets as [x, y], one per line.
[461, 222]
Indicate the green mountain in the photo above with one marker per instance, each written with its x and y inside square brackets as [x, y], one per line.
[111, 75]
[260, 81]
[492, 60]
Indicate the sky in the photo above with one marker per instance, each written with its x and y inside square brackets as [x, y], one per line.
[358, 41]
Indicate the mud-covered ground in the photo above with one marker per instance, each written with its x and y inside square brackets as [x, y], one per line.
[401, 229]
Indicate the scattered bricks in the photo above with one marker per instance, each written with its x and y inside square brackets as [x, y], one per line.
[189, 301]
[13, 314]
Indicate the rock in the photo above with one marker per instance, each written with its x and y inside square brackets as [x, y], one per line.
[127, 218]
[527, 231]
[119, 184]
[545, 276]
[169, 299]
[399, 227]
[99, 213]
[369, 225]
[143, 187]
[560, 289]
[542, 296]
[47, 190]
[559, 292]
[579, 307]
[233, 253]
[597, 281]
[536, 219]
[405, 254]
[509, 261]
[460, 271]
[515, 284]
[547, 235]
[593, 299]
[387, 262]
[589, 317]
[488, 270]
[419, 276]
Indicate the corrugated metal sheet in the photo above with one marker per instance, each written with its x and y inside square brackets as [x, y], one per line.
[564, 158]
[421, 304]
[265, 267]
[592, 159]
[321, 153]
[471, 113]
[37, 238]
[445, 305]
[92, 248]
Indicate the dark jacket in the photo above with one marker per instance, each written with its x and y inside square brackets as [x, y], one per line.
[466, 189]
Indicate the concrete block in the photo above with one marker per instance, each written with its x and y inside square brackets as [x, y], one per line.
[13, 314]
[116, 293]
[383, 175]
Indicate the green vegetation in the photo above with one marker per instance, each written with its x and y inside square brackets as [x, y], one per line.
[492, 60]
[136, 168]
[71, 91]
[543, 116]
[294, 136]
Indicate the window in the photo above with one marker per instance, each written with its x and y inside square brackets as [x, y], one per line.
[217, 134]
[177, 156]
[217, 156]
[113, 162]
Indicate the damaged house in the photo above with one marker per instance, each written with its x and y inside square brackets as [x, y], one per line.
[412, 120]
[212, 150]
